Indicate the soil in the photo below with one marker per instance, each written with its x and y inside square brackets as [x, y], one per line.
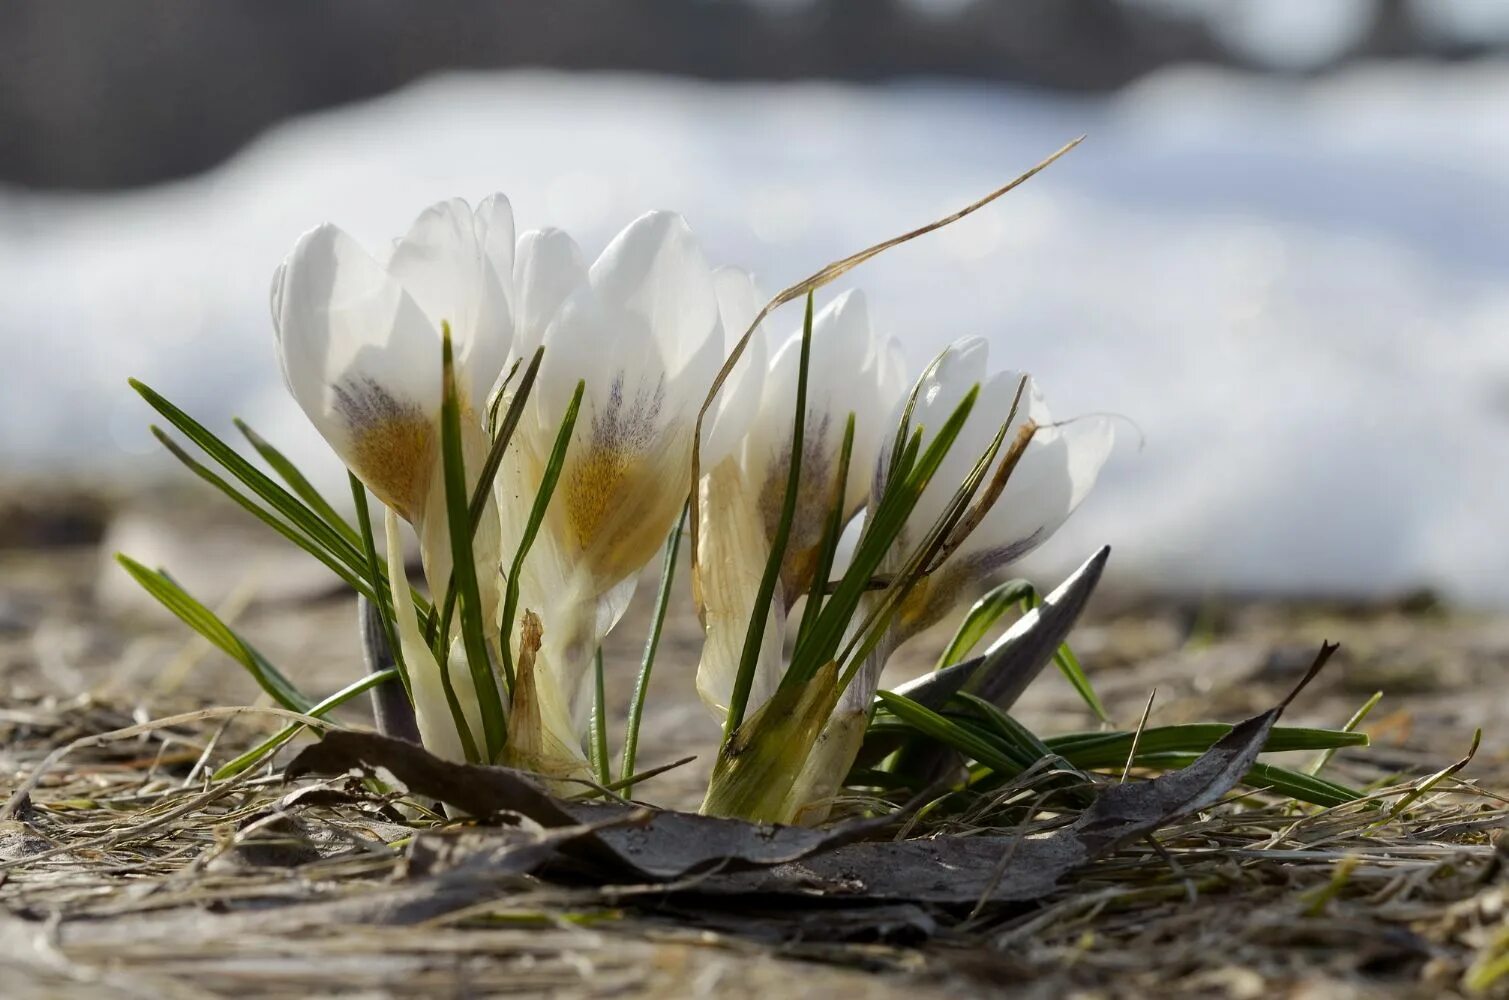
[81, 654]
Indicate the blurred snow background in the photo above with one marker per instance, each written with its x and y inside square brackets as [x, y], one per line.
[1297, 289]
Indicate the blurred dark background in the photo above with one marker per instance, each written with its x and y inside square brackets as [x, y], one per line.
[99, 94]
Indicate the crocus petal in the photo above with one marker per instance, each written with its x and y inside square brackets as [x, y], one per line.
[1054, 476]
[486, 351]
[653, 276]
[731, 560]
[548, 267]
[439, 263]
[841, 333]
[363, 362]
[739, 400]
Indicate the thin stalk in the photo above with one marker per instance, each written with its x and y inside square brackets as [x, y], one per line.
[748, 659]
[599, 725]
[652, 644]
[831, 532]
[537, 512]
[441, 622]
[319, 711]
[463, 563]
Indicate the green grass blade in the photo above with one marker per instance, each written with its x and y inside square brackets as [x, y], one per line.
[1007, 727]
[749, 657]
[1111, 749]
[1351, 726]
[319, 711]
[299, 524]
[293, 534]
[982, 617]
[872, 630]
[949, 732]
[463, 563]
[652, 644]
[834, 527]
[537, 512]
[293, 510]
[296, 481]
[384, 599]
[599, 723]
[1068, 665]
[204, 621]
[503, 435]
[890, 516]
[1267, 777]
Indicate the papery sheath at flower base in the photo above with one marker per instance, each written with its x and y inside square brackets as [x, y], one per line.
[359, 337]
[1053, 475]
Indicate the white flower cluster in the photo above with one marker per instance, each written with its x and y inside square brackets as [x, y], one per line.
[646, 327]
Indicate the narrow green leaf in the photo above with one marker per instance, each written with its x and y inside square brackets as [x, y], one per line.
[548, 480]
[875, 542]
[834, 527]
[280, 500]
[204, 621]
[294, 535]
[1068, 665]
[1351, 726]
[890, 514]
[503, 435]
[982, 617]
[1111, 749]
[652, 644]
[1008, 727]
[384, 599]
[463, 563]
[949, 732]
[749, 657]
[299, 524]
[599, 723]
[319, 711]
[296, 481]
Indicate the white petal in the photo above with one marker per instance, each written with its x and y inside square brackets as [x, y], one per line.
[653, 280]
[1054, 476]
[548, 268]
[485, 352]
[841, 333]
[439, 264]
[731, 560]
[739, 400]
[362, 361]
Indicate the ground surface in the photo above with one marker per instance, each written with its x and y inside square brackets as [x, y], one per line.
[129, 875]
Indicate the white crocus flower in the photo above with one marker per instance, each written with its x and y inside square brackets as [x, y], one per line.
[851, 371]
[641, 329]
[1053, 475]
[360, 337]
